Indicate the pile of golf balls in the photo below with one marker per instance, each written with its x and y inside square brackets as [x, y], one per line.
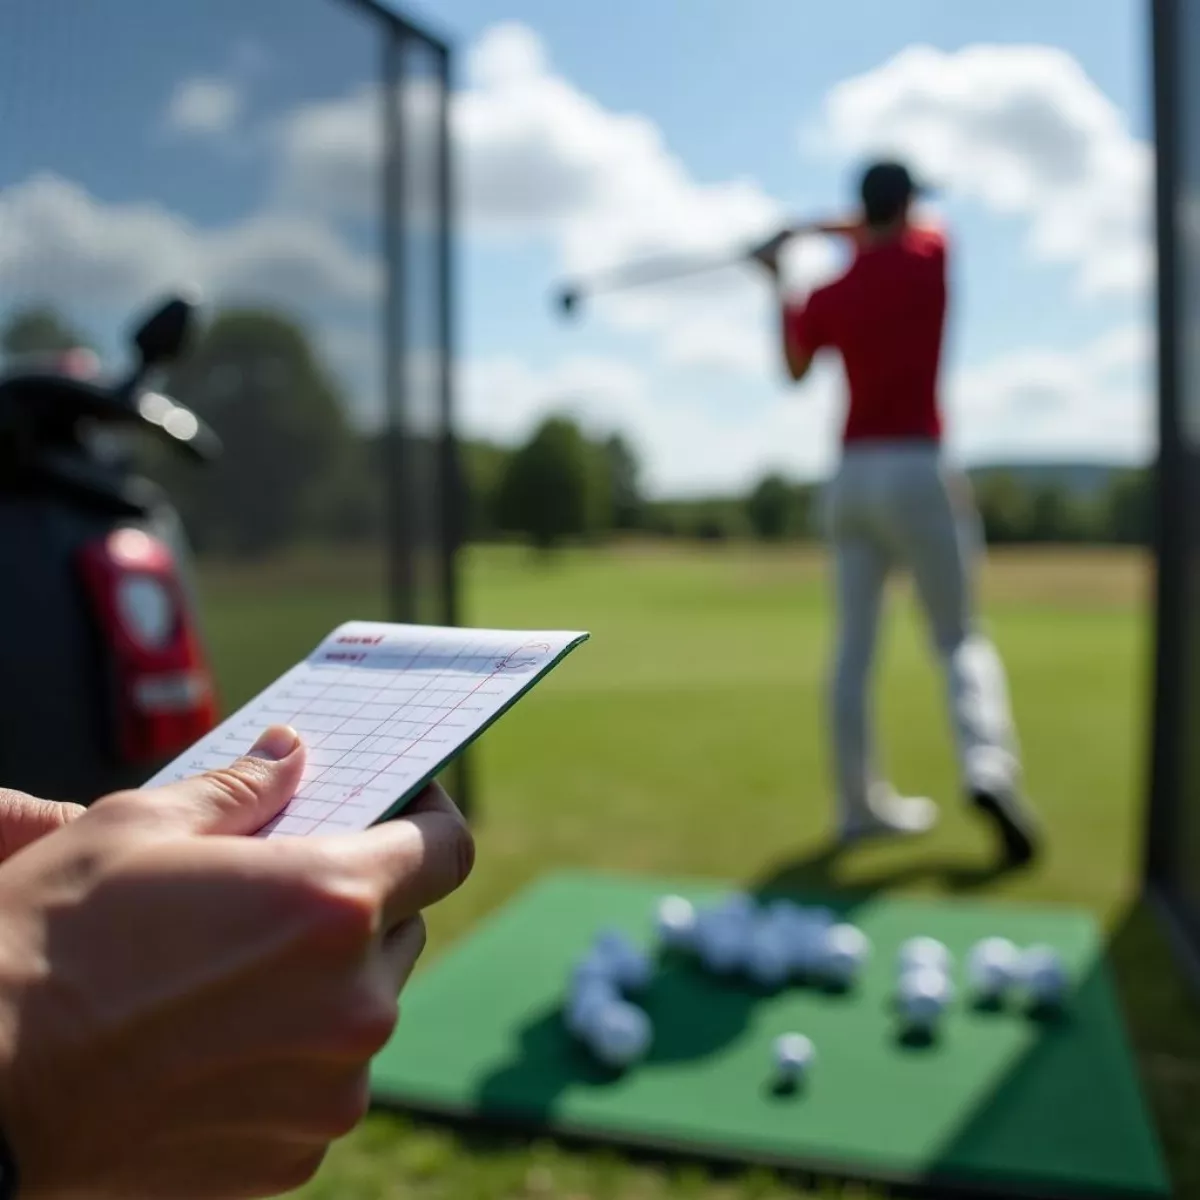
[598, 1011]
[998, 968]
[924, 988]
[768, 945]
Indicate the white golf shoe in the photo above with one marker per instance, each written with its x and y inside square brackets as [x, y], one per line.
[887, 814]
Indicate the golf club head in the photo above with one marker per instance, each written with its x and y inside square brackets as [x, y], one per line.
[567, 301]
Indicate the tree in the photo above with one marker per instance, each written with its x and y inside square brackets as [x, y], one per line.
[255, 378]
[768, 508]
[1129, 508]
[624, 490]
[1004, 508]
[550, 490]
[38, 331]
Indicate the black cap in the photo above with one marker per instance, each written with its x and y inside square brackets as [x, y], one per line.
[886, 187]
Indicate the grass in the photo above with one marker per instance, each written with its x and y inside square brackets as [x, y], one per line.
[687, 737]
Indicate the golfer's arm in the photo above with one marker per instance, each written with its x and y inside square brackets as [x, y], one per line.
[839, 227]
[795, 359]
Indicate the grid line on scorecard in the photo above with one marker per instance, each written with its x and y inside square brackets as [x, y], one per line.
[380, 708]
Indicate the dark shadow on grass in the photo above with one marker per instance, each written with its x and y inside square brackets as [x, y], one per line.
[819, 872]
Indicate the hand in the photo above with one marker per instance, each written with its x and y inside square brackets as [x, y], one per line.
[190, 1012]
[24, 819]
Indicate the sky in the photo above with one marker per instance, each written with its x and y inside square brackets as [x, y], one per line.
[234, 145]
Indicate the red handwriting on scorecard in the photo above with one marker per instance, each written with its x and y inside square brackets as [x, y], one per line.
[361, 639]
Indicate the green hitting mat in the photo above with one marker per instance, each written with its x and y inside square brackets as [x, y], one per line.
[1000, 1102]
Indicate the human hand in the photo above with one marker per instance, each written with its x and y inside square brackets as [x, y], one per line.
[24, 819]
[188, 1011]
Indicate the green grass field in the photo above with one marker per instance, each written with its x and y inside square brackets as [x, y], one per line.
[687, 737]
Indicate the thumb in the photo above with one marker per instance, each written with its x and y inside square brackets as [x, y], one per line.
[238, 799]
[24, 819]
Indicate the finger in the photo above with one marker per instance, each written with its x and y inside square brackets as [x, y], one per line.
[24, 819]
[415, 860]
[238, 799]
[401, 949]
[302, 1099]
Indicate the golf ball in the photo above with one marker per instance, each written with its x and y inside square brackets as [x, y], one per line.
[1043, 975]
[585, 1004]
[628, 966]
[806, 944]
[924, 952]
[722, 943]
[822, 917]
[676, 923]
[794, 1054]
[846, 949]
[593, 968]
[768, 958]
[923, 995]
[993, 966]
[619, 1034]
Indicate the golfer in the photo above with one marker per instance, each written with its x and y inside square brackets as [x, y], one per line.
[894, 504]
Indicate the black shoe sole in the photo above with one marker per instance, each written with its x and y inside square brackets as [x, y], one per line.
[1013, 826]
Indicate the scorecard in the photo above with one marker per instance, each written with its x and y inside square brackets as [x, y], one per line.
[381, 709]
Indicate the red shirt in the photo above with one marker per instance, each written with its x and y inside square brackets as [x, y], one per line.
[885, 316]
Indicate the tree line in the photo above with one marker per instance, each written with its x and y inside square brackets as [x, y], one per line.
[296, 470]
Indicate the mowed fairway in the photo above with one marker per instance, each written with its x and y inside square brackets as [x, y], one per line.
[688, 737]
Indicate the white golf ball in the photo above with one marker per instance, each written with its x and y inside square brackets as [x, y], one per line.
[722, 943]
[924, 952]
[794, 1054]
[806, 945]
[628, 965]
[768, 957]
[993, 966]
[676, 923]
[845, 951]
[1043, 975]
[584, 1005]
[593, 967]
[619, 1034]
[822, 917]
[923, 994]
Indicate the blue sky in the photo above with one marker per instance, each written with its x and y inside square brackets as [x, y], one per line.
[237, 150]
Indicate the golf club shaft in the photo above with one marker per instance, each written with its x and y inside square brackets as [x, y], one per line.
[657, 270]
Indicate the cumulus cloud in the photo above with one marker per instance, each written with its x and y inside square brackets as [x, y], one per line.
[60, 244]
[540, 158]
[684, 446]
[1021, 129]
[1090, 400]
[204, 106]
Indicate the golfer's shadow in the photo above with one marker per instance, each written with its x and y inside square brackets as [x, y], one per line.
[694, 1014]
[819, 873]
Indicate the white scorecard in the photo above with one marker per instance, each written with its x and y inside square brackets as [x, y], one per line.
[381, 709]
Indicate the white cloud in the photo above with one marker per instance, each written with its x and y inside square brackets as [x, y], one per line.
[540, 159]
[204, 106]
[60, 244]
[1092, 400]
[1021, 129]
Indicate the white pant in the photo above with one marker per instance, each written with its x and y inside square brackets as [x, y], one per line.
[895, 505]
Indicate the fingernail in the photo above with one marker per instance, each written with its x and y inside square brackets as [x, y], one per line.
[275, 744]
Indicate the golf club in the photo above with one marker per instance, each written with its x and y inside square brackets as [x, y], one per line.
[569, 296]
